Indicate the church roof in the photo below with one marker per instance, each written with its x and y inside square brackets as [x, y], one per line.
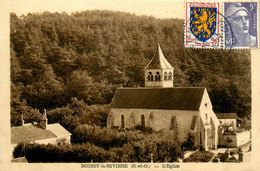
[158, 98]
[35, 132]
[159, 61]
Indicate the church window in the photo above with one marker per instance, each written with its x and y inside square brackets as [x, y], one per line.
[152, 77]
[170, 76]
[149, 76]
[193, 123]
[165, 76]
[151, 116]
[122, 121]
[157, 76]
[172, 122]
[142, 121]
[206, 105]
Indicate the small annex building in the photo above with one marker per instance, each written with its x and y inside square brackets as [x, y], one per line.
[227, 120]
[42, 133]
[178, 111]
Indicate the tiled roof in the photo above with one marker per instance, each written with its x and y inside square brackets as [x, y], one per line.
[158, 98]
[35, 132]
[159, 61]
[226, 115]
[29, 133]
[57, 129]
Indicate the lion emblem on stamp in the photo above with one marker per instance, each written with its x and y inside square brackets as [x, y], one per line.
[203, 25]
[203, 22]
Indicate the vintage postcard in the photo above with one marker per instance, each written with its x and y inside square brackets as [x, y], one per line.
[136, 85]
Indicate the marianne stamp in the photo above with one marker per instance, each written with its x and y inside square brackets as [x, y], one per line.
[243, 21]
[203, 25]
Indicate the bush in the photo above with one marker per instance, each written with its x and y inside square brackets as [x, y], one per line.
[189, 143]
[140, 151]
[200, 156]
[104, 137]
[67, 153]
[144, 129]
[18, 150]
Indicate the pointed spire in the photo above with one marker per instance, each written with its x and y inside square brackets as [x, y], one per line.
[159, 61]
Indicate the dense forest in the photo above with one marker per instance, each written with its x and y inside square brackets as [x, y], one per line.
[72, 64]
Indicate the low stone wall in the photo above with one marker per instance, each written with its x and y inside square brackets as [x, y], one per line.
[243, 138]
[237, 139]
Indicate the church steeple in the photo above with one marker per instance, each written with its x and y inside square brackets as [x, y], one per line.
[158, 72]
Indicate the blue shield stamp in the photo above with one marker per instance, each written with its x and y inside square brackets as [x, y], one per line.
[203, 22]
[203, 25]
[242, 18]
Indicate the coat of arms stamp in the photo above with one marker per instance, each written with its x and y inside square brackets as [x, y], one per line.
[203, 28]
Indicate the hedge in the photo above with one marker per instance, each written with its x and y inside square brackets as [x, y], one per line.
[65, 153]
[104, 137]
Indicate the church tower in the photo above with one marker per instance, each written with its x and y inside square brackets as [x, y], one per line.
[158, 72]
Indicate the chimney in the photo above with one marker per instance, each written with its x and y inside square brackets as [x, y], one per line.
[44, 120]
[22, 120]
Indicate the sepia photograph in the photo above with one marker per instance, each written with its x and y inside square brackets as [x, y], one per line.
[120, 84]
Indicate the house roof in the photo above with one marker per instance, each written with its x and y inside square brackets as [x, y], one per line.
[159, 61]
[226, 115]
[29, 133]
[58, 130]
[158, 98]
[35, 132]
[232, 160]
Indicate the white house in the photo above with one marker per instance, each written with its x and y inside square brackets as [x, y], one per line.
[227, 120]
[42, 133]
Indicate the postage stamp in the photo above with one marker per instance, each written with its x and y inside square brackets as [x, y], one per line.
[243, 20]
[221, 25]
[202, 25]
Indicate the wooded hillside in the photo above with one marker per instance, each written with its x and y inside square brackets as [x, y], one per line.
[56, 57]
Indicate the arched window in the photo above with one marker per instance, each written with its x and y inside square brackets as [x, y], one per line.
[142, 121]
[149, 76]
[170, 76]
[151, 116]
[157, 76]
[122, 121]
[172, 122]
[152, 77]
[165, 76]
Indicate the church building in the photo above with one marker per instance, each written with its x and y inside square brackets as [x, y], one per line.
[180, 112]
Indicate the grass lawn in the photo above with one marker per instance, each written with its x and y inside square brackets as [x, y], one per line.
[200, 156]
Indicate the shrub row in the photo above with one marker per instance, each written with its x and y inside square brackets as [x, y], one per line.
[140, 151]
[200, 156]
[144, 150]
[64, 153]
[104, 137]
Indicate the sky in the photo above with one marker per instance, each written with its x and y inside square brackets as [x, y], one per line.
[156, 8]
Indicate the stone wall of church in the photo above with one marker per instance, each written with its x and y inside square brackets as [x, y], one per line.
[158, 120]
